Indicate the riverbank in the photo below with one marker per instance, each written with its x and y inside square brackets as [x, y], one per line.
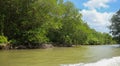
[10, 46]
[7, 46]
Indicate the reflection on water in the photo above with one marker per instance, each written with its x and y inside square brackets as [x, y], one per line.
[58, 56]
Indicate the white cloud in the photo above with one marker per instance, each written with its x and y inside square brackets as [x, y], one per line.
[97, 20]
[93, 4]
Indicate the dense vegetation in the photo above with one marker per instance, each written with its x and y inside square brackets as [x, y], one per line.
[115, 26]
[36, 22]
[3, 39]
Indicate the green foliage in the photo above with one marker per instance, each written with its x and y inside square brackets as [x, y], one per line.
[29, 22]
[115, 26]
[93, 41]
[3, 39]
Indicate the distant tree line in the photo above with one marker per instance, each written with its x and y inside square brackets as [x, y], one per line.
[36, 22]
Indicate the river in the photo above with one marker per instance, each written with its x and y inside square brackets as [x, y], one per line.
[100, 55]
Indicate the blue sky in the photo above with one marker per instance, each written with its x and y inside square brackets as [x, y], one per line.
[97, 13]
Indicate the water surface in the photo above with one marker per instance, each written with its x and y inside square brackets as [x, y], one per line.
[74, 56]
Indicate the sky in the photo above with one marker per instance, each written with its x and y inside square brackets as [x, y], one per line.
[97, 13]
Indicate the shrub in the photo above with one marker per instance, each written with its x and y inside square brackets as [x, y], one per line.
[93, 41]
[3, 39]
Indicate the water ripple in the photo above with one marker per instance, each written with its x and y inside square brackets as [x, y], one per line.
[115, 61]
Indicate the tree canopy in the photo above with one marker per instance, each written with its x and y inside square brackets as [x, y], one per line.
[35, 22]
[115, 26]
